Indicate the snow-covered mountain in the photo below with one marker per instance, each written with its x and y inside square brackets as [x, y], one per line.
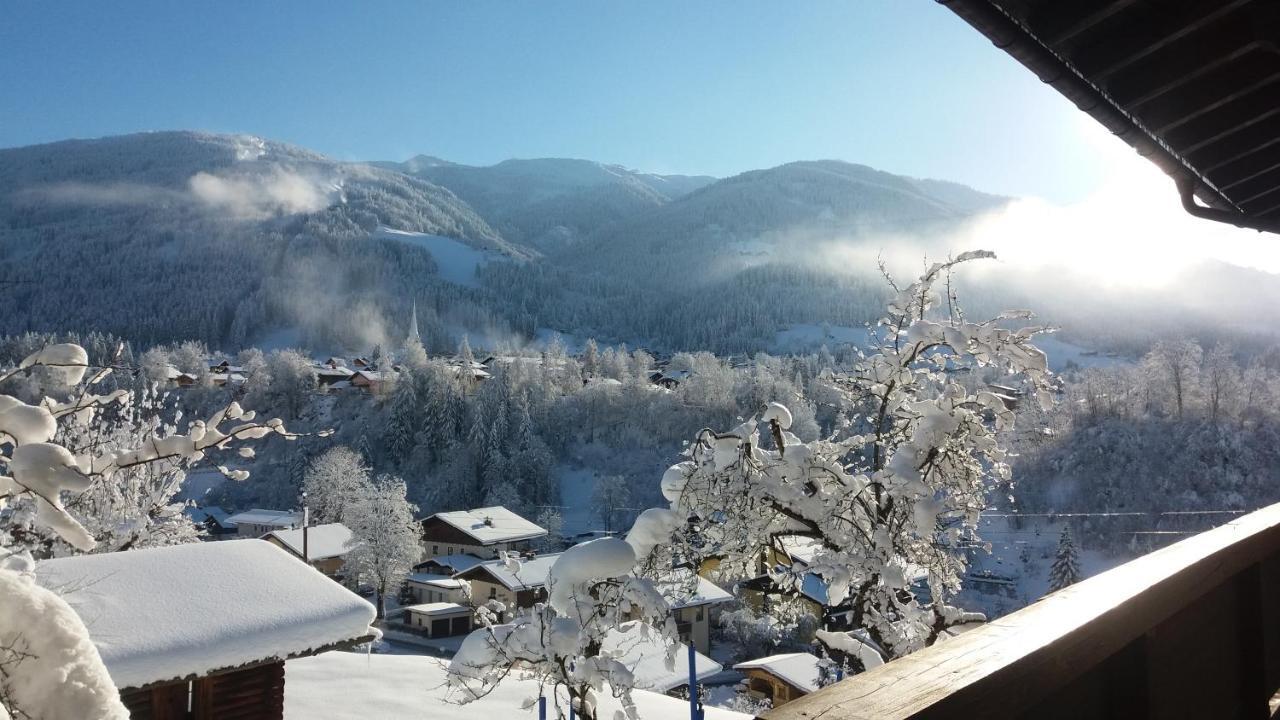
[217, 237]
[729, 264]
[551, 203]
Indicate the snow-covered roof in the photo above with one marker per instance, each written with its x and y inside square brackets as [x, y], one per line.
[165, 613]
[800, 548]
[646, 656]
[441, 581]
[259, 516]
[438, 608]
[798, 669]
[457, 563]
[356, 686]
[327, 371]
[490, 525]
[533, 572]
[201, 514]
[680, 593]
[323, 541]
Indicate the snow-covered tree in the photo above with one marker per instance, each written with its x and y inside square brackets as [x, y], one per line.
[1066, 564]
[550, 519]
[48, 665]
[292, 380]
[611, 497]
[595, 609]
[384, 537]
[896, 490]
[899, 487]
[404, 418]
[334, 482]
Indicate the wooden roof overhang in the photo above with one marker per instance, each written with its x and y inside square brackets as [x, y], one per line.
[1192, 85]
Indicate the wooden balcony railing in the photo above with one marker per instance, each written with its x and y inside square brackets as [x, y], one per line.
[1189, 631]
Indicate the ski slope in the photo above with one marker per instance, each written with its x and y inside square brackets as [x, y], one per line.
[457, 260]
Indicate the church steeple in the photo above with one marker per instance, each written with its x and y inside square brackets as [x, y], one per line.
[413, 326]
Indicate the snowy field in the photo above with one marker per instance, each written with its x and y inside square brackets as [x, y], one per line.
[805, 338]
[1061, 352]
[576, 488]
[457, 260]
[353, 686]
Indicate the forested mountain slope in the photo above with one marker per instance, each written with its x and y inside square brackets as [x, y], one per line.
[552, 203]
[728, 264]
[235, 235]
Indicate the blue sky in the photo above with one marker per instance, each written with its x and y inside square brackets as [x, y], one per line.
[691, 87]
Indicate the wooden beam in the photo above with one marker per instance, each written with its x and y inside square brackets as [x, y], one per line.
[1140, 39]
[1059, 22]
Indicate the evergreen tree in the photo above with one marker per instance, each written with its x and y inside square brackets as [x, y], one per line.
[403, 422]
[1066, 566]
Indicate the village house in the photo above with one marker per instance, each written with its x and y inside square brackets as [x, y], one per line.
[178, 378]
[213, 521]
[372, 381]
[482, 532]
[435, 587]
[492, 580]
[258, 522]
[324, 547]
[692, 607]
[781, 678]
[327, 375]
[449, 565]
[438, 619]
[203, 630]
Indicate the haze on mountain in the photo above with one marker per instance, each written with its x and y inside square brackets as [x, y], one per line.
[254, 241]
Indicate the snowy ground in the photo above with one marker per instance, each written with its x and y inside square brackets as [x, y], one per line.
[808, 338]
[576, 488]
[1061, 352]
[1025, 554]
[352, 686]
[457, 260]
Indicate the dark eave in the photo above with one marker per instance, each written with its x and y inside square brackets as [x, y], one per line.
[1192, 85]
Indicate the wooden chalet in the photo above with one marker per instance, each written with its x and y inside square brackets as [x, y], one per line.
[491, 580]
[482, 532]
[202, 631]
[213, 521]
[324, 547]
[781, 678]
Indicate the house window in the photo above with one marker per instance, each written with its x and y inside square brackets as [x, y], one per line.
[493, 592]
[450, 549]
[698, 617]
[435, 549]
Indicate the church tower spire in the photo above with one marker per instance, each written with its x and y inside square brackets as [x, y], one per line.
[413, 326]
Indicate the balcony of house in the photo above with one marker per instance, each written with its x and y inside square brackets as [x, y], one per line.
[1189, 631]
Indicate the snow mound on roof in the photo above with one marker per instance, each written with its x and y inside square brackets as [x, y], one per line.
[531, 573]
[259, 516]
[654, 664]
[350, 686]
[799, 669]
[493, 524]
[323, 541]
[165, 613]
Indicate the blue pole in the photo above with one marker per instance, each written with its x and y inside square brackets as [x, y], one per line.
[693, 684]
[542, 708]
[571, 715]
[839, 673]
